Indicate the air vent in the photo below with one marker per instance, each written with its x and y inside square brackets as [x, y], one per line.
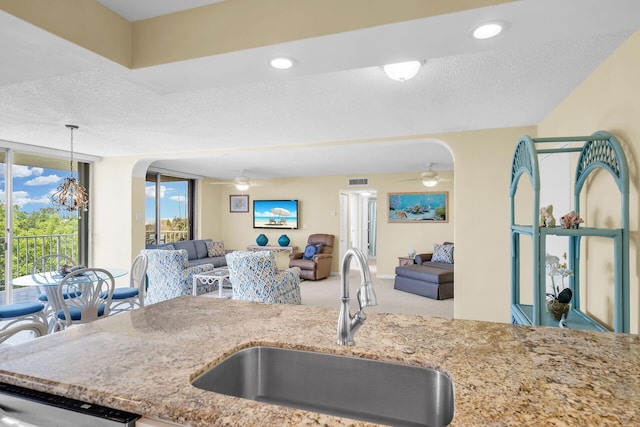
[358, 181]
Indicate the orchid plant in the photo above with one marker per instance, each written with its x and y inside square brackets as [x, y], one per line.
[554, 269]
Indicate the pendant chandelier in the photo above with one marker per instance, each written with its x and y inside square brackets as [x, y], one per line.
[71, 195]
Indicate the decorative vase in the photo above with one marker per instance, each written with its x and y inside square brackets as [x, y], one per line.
[284, 240]
[262, 240]
[557, 309]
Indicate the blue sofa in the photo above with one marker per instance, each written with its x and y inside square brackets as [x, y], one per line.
[198, 251]
[428, 277]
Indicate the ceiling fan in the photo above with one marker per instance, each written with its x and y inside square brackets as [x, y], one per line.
[429, 178]
[242, 183]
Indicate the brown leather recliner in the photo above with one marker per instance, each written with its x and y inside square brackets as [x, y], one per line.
[319, 266]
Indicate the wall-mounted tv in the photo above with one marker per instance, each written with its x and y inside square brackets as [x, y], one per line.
[279, 214]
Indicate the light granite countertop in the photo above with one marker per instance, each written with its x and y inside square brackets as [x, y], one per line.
[143, 361]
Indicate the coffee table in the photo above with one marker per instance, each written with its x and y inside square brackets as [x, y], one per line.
[212, 277]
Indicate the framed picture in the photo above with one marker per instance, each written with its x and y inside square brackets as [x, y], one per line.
[239, 203]
[419, 207]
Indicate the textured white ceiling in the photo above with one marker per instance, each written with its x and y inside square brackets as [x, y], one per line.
[335, 113]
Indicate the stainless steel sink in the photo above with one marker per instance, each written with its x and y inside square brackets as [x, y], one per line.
[368, 390]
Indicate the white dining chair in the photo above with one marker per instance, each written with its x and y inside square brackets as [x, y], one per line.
[41, 273]
[89, 292]
[16, 314]
[37, 329]
[128, 298]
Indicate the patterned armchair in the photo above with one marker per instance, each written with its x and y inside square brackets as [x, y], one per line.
[169, 275]
[255, 277]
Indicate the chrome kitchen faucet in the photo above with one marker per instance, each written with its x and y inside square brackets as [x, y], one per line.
[348, 324]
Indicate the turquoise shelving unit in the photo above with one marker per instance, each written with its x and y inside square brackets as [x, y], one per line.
[600, 150]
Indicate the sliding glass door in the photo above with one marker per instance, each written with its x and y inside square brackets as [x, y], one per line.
[33, 226]
[168, 208]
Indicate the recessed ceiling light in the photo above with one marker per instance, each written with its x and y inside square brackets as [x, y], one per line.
[281, 63]
[487, 31]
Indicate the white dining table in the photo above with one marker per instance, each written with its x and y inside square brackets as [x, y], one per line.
[50, 280]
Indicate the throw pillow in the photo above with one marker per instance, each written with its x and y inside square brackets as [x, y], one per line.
[188, 246]
[215, 248]
[309, 252]
[319, 248]
[201, 248]
[442, 253]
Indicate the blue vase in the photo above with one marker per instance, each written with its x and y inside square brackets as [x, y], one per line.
[283, 240]
[262, 240]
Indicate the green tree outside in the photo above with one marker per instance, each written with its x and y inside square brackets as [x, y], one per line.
[32, 233]
[177, 224]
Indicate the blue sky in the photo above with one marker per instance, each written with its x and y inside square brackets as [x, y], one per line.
[33, 187]
[173, 203]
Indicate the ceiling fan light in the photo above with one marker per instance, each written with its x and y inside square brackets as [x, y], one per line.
[242, 186]
[430, 182]
[402, 71]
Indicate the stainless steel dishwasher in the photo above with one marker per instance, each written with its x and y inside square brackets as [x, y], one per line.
[22, 407]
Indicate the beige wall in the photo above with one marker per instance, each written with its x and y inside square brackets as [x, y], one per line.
[208, 206]
[117, 199]
[482, 176]
[607, 100]
[320, 213]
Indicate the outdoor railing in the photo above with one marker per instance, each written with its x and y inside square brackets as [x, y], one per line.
[26, 249]
[166, 236]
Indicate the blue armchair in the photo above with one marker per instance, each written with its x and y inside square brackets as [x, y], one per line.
[169, 275]
[254, 276]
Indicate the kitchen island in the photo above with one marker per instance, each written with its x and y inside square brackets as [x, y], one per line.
[143, 361]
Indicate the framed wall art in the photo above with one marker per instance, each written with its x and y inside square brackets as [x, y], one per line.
[239, 203]
[414, 208]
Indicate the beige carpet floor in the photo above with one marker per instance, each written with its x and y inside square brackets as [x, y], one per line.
[326, 293]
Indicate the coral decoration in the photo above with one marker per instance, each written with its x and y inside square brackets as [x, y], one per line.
[571, 220]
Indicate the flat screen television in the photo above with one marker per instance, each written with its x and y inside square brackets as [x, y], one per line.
[278, 214]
